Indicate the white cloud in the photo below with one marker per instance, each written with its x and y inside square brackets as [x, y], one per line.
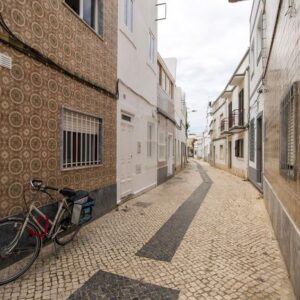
[209, 38]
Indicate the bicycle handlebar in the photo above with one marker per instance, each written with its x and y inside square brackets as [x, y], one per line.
[38, 185]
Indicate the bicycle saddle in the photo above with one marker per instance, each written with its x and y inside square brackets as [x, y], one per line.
[67, 192]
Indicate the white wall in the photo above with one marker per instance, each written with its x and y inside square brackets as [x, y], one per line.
[256, 72]
[138, 91]
[180, 118]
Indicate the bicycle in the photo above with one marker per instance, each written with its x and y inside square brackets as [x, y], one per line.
[21, 238]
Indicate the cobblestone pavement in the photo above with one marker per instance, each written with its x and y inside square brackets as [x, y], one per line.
[227, 251]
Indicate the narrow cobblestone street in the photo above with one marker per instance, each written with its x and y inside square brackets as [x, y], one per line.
[204, 234]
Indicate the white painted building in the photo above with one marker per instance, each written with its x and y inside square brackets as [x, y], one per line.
[137, 116]
[229, 125]
[218, 139]
[165, 121]
[180, 131]
[256, 118]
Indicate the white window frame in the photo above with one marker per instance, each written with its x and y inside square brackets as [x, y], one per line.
[96, 29]
[80, 125]
[128, 14]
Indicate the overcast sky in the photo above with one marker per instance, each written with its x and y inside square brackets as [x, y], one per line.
[209, 38]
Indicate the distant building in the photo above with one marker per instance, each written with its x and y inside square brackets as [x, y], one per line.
[166, 121]
[229, 125]
[181, 129]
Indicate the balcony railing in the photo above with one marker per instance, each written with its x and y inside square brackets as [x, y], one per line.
[236, 119]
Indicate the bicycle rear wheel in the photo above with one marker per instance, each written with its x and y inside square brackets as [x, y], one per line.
[66, 231]
[15, 261]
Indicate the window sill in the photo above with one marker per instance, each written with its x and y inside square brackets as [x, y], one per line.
[128, 35]
[83, 22]
[81, 167]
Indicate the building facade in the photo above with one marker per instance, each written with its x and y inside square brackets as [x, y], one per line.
[229, 125]
[166, 123]
[282, 128]
[58, 99]
[137, 116]
[218, 140]
[256, 107]
[181, 130]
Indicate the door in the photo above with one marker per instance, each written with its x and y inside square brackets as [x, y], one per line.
[229, 155]
[126, 157]
[170, 154]
[259, 158]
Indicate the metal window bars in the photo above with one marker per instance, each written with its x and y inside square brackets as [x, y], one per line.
[82, 140]
[288, 133]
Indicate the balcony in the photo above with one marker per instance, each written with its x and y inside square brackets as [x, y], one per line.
[224, 128]
[236, 120]
[164, 103]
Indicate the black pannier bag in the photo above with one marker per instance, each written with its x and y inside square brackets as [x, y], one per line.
[82, 208]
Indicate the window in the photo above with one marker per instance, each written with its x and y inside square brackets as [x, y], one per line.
[221, 152]
[162, 146]
[91, 11]
[82, 140]
[126, 118]
[288, 137]
[151, 48]
[150, 133]
[241, 107]
[239, 148]
[128, 14]
[252, 140]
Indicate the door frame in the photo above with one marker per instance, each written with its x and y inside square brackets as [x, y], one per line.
[259, 147]
[170, 158]
[128, 124]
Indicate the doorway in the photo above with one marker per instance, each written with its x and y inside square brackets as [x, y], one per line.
[229, 155]
[170, 154]
[126, 156]
[259, 152]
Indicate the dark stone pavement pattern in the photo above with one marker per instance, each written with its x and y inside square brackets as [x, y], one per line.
[229, 250]
[108, 286]
[164, 244]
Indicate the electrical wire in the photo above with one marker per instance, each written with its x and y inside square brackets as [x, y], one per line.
[13, 41]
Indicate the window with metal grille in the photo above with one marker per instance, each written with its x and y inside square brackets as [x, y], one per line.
[150, 132]
[252, 140]
[239, 148]
[288, 137]
[82, 140]
[91, 11]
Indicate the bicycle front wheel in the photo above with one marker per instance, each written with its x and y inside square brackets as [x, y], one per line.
[18, 251]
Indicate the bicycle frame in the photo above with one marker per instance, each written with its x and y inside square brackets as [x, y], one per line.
[30, 216]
